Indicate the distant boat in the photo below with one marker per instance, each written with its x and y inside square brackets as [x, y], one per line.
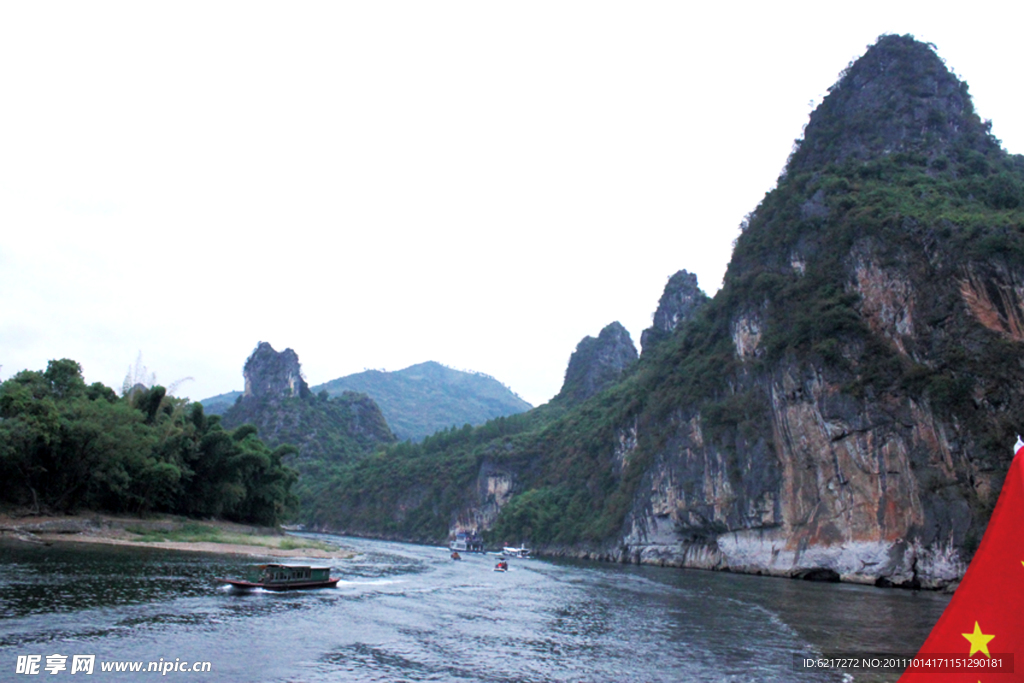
[284, 577]
[467, 542]
[520, 552]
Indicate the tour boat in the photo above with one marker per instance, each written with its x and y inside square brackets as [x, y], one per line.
[284, 577]
[520, 552]
[467, 542]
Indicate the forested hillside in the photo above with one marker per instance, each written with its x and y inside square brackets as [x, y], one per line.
[418, 401]
[323, 433]
[843, 407]
[67, 447]
[425, 398]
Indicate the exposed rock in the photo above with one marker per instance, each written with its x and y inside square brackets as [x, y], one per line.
[279, 403]
[494, 488]
[679, 302]
[598, 363]
[845, 406]
[887, 301]
[995, 298]
[269, 374]
[898, 97]
[746, 335]
[796, 475]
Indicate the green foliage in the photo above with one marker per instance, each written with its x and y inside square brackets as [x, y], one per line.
[901, 177]
[425, 398]
[534, 515]
[337, 429]
[65, 446]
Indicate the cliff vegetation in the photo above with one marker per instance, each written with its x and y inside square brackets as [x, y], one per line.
[842, 408]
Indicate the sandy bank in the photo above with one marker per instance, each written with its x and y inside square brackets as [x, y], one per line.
[164, 533]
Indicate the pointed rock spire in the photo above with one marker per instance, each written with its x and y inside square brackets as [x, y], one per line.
[679, 302]
[272, 374]
[597, 363]
[898, 97]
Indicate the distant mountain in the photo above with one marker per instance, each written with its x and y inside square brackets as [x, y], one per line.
[219, 404]
[417, 401]
[425, 398]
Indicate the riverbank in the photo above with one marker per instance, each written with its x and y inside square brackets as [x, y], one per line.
[166, 533]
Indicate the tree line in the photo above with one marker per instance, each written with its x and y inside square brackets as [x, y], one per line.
[66, 446]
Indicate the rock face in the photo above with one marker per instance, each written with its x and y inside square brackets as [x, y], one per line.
[846, 405]
[597, 363]
[269, 374]
[278, 401]
[679, 303]
[864, 437]
[898, 97]
[866, 492]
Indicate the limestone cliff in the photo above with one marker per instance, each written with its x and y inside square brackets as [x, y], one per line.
[843, 408]
[862, 427]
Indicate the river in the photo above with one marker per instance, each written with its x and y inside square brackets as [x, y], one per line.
[408, 613]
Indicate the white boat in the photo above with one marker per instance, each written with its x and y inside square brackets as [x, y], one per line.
[519, 552]
[467, 542]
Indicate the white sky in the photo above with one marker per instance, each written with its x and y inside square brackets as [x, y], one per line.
[377, 184]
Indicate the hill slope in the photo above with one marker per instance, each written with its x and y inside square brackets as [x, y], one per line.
[843, 408]
[425, 398]
[219, 404]
[326, 431]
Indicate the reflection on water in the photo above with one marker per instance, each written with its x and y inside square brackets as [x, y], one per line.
[408, 613]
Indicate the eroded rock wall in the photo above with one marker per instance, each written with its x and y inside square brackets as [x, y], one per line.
[870, 489]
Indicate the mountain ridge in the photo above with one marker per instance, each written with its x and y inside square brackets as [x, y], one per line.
[841, 409]
[453, 397]
[418, 400]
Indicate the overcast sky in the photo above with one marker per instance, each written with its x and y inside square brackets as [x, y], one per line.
[377, 184]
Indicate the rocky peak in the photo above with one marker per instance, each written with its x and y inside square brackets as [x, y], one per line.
[597, 363]
[679, 302]
[273, 375]
[898, 97]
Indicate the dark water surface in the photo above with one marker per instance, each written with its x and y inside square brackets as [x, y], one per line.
[408, 613]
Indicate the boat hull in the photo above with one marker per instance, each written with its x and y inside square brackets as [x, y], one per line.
[280, 586]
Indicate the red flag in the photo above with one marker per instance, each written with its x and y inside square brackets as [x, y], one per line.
[984, 622]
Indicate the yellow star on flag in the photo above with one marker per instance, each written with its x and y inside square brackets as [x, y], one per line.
[978, 640]
[989, 594]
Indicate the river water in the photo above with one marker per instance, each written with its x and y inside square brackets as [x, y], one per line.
[408, 613]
